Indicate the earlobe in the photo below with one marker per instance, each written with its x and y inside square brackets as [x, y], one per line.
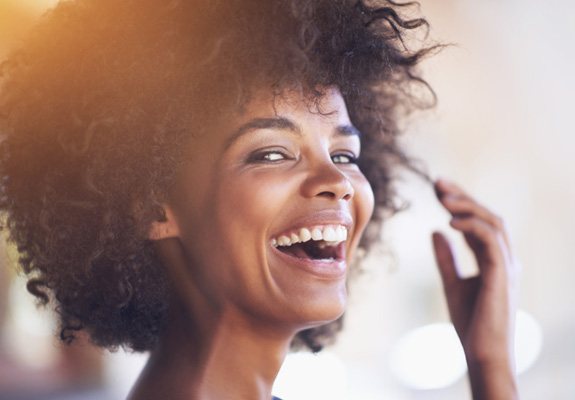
[166, 228]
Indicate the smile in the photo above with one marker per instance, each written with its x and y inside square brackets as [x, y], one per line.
[320, 243]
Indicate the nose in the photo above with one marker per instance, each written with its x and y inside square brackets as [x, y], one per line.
[328, 181]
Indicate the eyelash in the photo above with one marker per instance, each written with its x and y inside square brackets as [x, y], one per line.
[264, 157]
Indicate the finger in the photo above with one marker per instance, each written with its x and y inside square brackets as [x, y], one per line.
[445, 259]
[447, 191]
[462, 206]
[487, 244]
[444, 187]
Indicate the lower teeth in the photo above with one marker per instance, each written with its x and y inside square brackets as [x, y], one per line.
[323, 245]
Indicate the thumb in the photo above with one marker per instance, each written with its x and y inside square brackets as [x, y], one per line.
[445, 259]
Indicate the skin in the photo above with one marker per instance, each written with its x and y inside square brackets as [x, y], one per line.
[482, 308]
[277, 166]
[237, 304]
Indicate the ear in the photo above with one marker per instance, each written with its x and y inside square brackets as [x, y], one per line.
[166, 227]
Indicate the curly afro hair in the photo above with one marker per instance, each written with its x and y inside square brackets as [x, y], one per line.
[97, 103]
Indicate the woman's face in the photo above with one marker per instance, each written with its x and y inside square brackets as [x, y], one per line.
[270, 207]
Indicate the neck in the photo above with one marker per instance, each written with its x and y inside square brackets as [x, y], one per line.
[229, 357]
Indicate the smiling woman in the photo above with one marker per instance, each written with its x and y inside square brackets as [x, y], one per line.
[288, 179]
[195, 179]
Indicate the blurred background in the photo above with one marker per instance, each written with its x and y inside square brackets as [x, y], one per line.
[502, 129]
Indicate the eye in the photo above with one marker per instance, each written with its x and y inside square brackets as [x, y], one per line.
[268, 156]
[344, 158]
[273, 156]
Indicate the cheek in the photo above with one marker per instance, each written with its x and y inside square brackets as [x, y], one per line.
[248, 204]
[253, 200]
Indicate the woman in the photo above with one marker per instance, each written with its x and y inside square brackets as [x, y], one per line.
[196, 178]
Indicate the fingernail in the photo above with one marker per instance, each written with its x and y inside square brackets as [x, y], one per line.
[449, 198]
[456, 220]
[445, 182]
[439, 187]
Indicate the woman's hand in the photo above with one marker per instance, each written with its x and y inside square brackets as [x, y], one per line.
[482, 308]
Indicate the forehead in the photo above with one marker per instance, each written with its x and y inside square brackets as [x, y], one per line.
[299, 108]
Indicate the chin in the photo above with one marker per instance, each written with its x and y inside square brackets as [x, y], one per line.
[320, 307]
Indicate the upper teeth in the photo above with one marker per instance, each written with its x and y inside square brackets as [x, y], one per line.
[331, 234]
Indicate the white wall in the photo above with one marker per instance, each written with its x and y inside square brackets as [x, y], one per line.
[503, 129]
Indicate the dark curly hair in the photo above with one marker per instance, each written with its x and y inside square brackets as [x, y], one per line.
[97, 103]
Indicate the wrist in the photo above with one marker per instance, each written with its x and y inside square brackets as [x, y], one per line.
[492, 380]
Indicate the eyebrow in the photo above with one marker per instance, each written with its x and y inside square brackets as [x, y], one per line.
[282, 123]
[348, 130]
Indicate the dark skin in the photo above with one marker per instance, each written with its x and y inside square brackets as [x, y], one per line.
[482, 308]
[257, 178]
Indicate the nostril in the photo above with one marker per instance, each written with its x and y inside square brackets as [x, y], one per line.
[333, 195]
[328, 182]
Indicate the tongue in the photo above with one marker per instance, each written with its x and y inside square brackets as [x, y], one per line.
[296, 250]
[309, 250]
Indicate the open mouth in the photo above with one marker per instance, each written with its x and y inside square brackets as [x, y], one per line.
[320, 243]
[315, 250]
